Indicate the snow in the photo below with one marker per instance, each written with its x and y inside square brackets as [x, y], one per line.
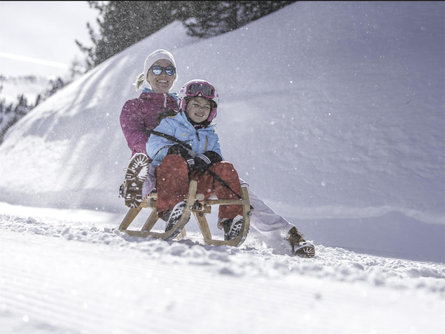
[333, 112]
[88, 278]
[12, 87]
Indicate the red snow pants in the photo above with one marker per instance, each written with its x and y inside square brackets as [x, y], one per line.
[172, 184]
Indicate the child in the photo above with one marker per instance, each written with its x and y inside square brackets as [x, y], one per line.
[185, 147]
[144, 113]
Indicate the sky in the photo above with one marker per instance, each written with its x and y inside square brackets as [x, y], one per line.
[338, 126]
[37, 37]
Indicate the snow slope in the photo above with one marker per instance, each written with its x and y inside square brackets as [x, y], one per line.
[339, 108]
[333, 112]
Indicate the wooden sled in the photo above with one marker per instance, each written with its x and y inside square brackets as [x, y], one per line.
[196, 205]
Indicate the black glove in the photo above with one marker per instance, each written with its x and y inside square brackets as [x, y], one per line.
[205, 160]
[165, 114]
[183, 152]
[202, 163]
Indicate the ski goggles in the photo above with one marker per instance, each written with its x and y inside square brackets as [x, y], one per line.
[206, 90]
[157, 70]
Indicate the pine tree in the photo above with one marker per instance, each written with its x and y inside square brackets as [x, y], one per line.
[11, 114]
[21, 107]
[54, 86]
[211, 18]
[122, 24]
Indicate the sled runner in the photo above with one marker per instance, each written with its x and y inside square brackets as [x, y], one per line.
[196, 205]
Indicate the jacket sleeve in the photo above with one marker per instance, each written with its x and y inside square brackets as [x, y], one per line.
[214, 145]
[157, 146]
[133, 126]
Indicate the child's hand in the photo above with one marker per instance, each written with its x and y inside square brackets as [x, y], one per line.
[202, 162]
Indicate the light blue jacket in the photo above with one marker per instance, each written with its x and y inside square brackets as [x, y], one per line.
[201, 140]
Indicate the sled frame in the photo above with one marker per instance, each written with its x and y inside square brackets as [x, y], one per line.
[195, 204]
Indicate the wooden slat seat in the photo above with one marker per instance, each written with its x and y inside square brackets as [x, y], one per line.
[195, 205]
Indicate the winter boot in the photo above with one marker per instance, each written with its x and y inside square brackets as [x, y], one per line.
[174, 218]
[300, 246]
[231, 226]
[135, 176]
[164, 215]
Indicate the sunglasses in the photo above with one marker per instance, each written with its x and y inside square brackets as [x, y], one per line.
[204, 89]
[157, 70]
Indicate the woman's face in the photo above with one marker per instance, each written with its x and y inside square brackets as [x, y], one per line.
[198, 109]
[161, 83]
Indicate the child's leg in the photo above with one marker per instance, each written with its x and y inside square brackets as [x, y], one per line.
[208, 185]
[172, 182]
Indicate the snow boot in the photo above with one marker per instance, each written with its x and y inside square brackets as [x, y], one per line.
[300, 247]
[135, 176]
[173, 219]
[164, 215]
[231, 226]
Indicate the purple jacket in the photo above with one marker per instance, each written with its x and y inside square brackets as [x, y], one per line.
[141, 113]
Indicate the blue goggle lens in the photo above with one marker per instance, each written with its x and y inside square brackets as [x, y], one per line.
[157, 70]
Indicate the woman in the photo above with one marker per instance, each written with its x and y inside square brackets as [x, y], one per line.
[144, 113]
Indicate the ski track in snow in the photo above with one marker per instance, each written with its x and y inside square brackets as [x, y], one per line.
[108, 282]
[251, 259]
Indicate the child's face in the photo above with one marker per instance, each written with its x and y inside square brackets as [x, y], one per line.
[161, 83]
[198, 109]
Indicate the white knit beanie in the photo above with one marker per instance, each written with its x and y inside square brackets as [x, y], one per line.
[153, 58]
